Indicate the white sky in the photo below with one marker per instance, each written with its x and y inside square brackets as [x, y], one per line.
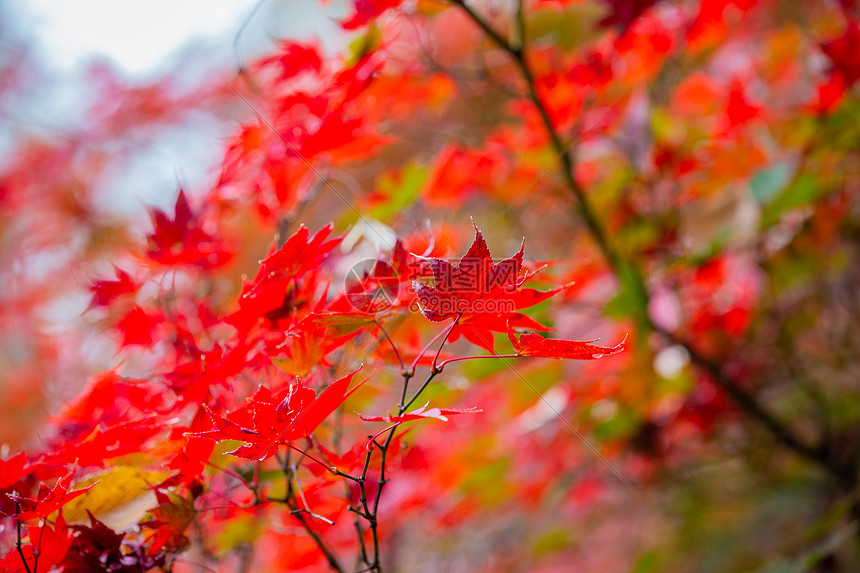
[147, 38]
[136, 35]
[139, 35]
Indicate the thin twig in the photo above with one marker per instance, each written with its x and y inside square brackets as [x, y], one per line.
[312, 458]
[18, 534]
[332, 560]
[362, 550]
[461, 358]
[38, 549]
[391, 342]
[371, 512]
[425, 349]
[444, 340]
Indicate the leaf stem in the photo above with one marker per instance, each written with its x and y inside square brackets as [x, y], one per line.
[391, 342]
[312, 458]
[459, 358]
[444, 340]
[426, 348]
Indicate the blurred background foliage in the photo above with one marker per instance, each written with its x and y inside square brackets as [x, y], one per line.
[711, 212]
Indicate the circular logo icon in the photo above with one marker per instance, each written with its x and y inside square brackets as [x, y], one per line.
[372, 285]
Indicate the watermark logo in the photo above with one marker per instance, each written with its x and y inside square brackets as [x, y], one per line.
[474, 286]
[372, 285]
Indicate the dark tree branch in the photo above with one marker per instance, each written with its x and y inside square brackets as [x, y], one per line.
[370, 511]
[18, 536]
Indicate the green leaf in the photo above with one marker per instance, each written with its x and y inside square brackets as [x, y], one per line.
[487, 482]
[648, 563]
[551, 541]
[799, 193]
[620, 425]
[766, 184]
[631, 301]
[567, 29]
[364, 44]
[397, 191]
[243, 529]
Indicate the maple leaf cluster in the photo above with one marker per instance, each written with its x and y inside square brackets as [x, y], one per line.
[276, 396]
[283, 323]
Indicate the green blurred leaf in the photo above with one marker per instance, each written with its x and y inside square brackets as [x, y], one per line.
[630, 302]
[801, 192]
[566, 29]
[648, 563]
[765, 185]
[550, 542]
[364, 44]
[397, 191]
[242, 529]
[487, 482]
[621, 424]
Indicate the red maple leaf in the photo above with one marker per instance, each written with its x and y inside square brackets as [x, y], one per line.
[535, 345]
[106, 442]
[305, 346]
[107, 291]
[347, 462]
[172, 516]
[292, 59]
[295, 417]
[479, 329]
[483, 295]
[842, 52]
[298, 255]
[107, 399]
[48, 500]
[190, 461]
[138, 327]
[466, 286]
[182, 240]
[739, 111]
[367, 10]
[12, 470]
[193, 380]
